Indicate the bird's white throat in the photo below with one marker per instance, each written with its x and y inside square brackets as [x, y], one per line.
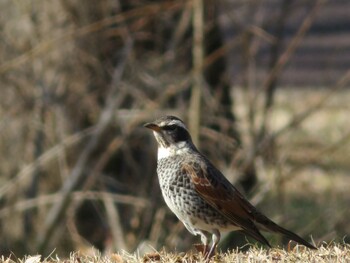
[178, 149]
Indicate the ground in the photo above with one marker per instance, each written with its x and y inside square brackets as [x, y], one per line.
[325, 253]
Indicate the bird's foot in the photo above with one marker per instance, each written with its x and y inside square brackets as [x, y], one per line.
[206, 250]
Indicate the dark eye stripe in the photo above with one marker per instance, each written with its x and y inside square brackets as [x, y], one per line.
[170, 127]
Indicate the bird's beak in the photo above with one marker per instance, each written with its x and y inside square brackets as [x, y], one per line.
[152, 126]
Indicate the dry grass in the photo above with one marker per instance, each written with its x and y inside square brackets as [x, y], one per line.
[326, 253]
[60, 62]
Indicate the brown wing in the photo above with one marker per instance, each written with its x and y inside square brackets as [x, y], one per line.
[217, 191]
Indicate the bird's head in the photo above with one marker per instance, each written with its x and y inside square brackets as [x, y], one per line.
[171, 134]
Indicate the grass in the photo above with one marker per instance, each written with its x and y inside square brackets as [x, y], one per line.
[325, 253]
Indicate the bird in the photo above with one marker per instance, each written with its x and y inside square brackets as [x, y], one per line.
[200, 195]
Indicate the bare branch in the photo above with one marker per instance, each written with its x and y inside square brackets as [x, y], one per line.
[114, 223]
[24, 174]
[77, 196]
[198, 82]
[77, 174]
[294, 43]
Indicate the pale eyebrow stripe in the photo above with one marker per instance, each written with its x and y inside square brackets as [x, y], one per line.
[181, 124]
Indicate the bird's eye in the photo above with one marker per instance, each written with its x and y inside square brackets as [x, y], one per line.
[170, 128]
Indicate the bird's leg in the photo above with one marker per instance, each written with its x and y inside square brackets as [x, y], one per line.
[204, 248]
[204, 240]
[215, 242]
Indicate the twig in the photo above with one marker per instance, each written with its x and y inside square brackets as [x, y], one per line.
[23, 176]
[77, 174]
[299, 118]
[48, 44]
[40, 138]
[198, 56]
[157, 226]
[77, 196]
[114, 224]
[284, 58]
[275, 49]
[183, 24]
[281, 62]
[269, 84]
[78, 240]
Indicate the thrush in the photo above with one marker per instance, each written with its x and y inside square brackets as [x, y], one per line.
[200, 195]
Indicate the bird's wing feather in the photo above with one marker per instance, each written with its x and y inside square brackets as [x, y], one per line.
[217, 191]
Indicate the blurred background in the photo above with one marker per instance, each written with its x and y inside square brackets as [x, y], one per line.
[262, 85]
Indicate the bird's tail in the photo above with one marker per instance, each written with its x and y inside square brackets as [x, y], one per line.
[266, 224]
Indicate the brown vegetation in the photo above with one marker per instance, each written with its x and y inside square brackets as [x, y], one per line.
[79, 80]
[325, 254]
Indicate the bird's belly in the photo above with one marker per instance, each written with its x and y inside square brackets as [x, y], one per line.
[188, 206]
[192, 210]
[183, 200]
